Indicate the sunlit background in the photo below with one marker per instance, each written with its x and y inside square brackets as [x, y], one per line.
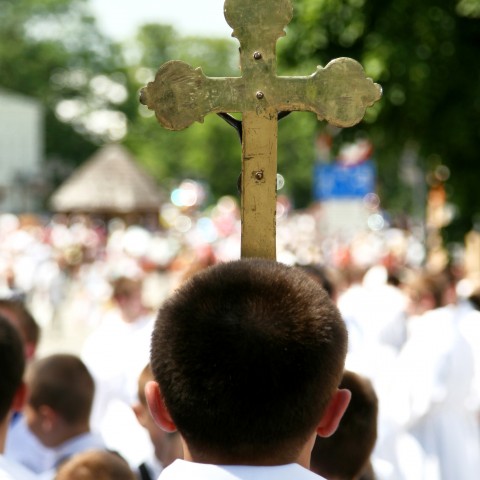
[93, 189]
[400, 188]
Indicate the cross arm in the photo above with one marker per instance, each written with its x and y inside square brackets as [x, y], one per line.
[181, 95]
[338, 93]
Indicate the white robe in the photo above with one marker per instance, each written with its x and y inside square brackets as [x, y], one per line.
[375, 316]
[432, 382]
[469, 323]
[23, 447]
[115, 354]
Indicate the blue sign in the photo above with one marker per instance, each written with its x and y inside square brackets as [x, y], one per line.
[337, 181]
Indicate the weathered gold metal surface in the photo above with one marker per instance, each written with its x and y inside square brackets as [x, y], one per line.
[259, 182]
[180, 95]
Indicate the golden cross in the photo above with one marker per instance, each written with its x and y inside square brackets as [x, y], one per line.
[338, 93]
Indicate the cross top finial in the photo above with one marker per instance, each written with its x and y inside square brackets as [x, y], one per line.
[262, 18]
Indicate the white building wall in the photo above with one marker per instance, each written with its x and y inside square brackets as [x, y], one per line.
[21, 151]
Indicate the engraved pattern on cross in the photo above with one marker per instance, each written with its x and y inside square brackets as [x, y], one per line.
[338, 93]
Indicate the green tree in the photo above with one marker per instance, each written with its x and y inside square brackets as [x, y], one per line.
[424, 54]
[53, 51]
[209, 152]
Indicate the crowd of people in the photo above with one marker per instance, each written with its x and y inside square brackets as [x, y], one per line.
[412, 359]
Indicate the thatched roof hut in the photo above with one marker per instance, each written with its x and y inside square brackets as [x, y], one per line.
[109, 183]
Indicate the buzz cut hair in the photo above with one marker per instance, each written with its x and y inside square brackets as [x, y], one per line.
[247, 355]
[355, 437]
[62, 382]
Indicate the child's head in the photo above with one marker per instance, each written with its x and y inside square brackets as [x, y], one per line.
[60, 398]
[248, 356]
[167, 445]
[12, 364]
[355, 437]
[127, 295]
[95, 465]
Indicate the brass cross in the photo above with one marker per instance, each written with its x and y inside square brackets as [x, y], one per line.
[338, 93]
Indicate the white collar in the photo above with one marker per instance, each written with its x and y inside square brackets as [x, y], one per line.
[181, 469]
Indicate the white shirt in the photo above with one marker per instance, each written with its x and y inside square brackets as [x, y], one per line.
[23, 447]
[10, 470]
[79, 444]
[183, 470]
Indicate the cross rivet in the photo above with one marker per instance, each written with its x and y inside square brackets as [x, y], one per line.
[257, 56]
[260, 95]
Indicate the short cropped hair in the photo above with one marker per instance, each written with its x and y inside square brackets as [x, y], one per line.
[346, 454]
[12, 365]
[247, 355]
[62, 382]
[95, 465]
[29, 328]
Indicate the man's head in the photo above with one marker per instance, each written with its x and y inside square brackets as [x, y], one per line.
[355, 437]
[60, 398]
[12, 364]
[248, 356]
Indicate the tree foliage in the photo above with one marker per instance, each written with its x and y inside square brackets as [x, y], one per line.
[208, 152]
[211, 151]
[424, 54]
[53, 51]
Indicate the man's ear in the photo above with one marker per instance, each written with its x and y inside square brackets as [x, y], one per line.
[49, 417]
[157, 407]
[334, 413]
[20, 398]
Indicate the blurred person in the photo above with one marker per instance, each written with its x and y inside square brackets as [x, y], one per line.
[59, 402]
[376, 311]
[167, 446]
[22, 446]
[468, 313]
[346, 454]
[12, 394]
[115, 353]
[95, 465]
[433, 381]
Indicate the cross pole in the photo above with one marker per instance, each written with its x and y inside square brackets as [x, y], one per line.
[338, 93]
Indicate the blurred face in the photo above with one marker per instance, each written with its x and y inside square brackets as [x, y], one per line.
[130, 303]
